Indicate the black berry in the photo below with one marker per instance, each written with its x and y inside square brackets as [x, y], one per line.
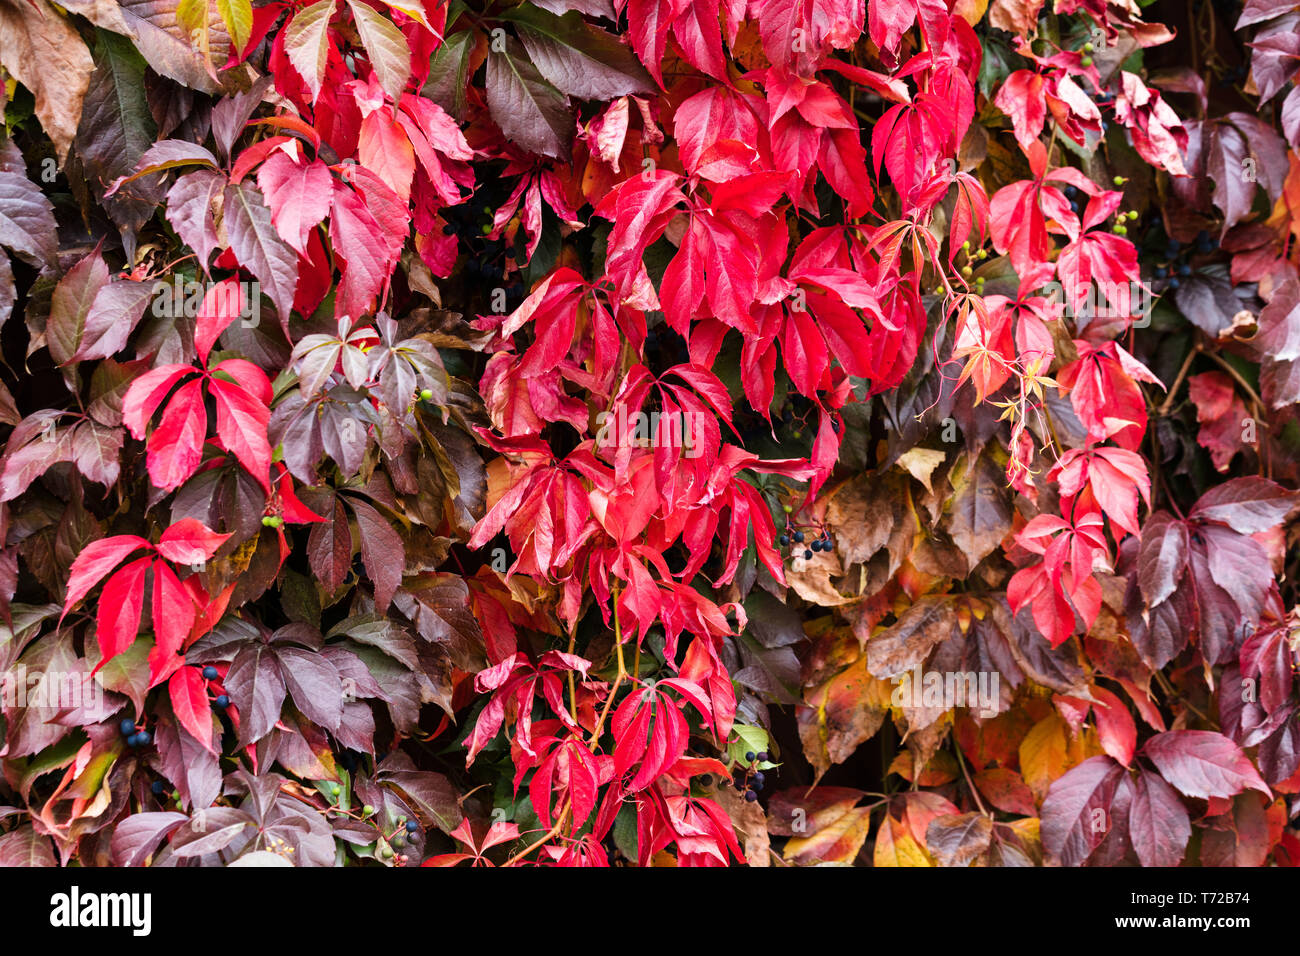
[127, 726]
[209, 673]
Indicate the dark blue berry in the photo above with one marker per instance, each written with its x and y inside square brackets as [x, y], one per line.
[815, 546]
[1184, 270]
[223, 701]
[807, 555]
[143, 738]
[750, 796]
[762, 756]
[785, 540]
[1173, 283]
[749, 756]
[798, 537]
[157, 788]
[412, 826]
[127, 726]
[209, 673]
[757, 782]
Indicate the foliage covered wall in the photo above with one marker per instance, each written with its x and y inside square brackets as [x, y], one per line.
[649, 432]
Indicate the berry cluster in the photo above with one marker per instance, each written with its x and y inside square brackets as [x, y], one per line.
[135, 736]
[210, 673]
[1176, 265]
[793, 536]
[752, 779]
[407, 831]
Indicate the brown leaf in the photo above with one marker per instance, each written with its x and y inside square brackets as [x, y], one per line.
[46, 54]
[922, 627]
[841, 714]
[979, 513]
[957, 839]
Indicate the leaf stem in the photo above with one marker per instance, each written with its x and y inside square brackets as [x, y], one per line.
[545, 838]
[618, 679]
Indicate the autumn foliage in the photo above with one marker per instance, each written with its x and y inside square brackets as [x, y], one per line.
[649, 432]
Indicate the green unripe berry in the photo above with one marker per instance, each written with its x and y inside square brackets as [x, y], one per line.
[1086, 61]
[797, 434]
[1087, 47]
[1132, 215]
[426, 394]
[367, 811]
[967, 271]
[1119, 180]
[272, 521]
[1121, 231]
[966, 246]
[787, 508]
[386, 853]
[982, 255]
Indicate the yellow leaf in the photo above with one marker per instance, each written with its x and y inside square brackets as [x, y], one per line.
[921, 463]
[1043, 753]
[896, 847]
[237, 15]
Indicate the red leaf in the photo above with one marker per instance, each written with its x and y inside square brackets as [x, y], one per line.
[146, 394]
[190, 541]
[96, 560]
[241, 429]
[298, 194]
[173, 619]
[176, 445]
[1115, 726]
[189, 694]
[223, 303]
[120, 606]
[1203, 763]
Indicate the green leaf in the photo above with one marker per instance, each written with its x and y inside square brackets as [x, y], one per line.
[750, 739]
